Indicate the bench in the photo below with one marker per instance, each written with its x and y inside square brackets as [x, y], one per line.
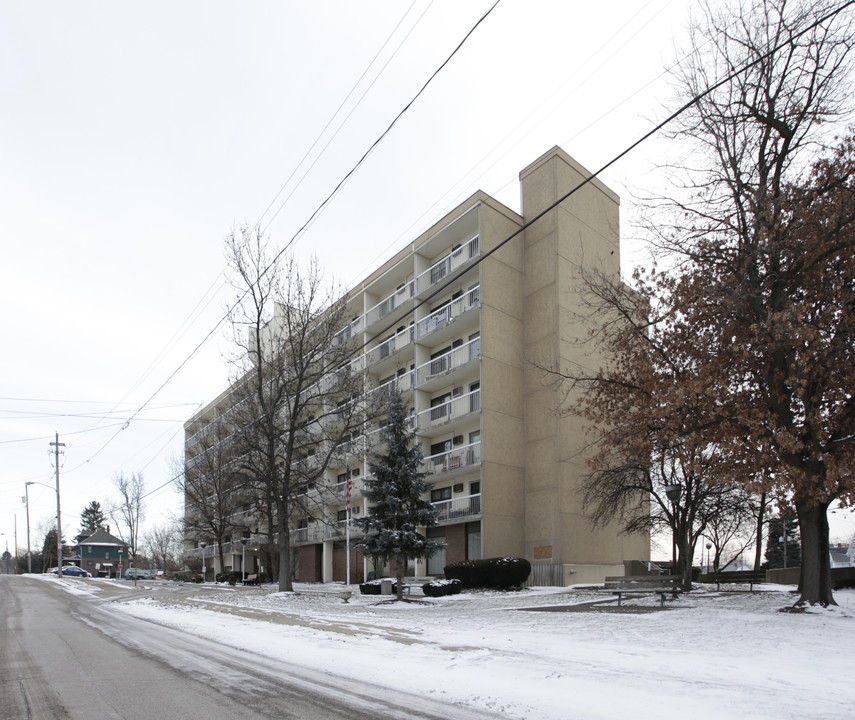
[740, 576]
[251, 580]
[660, 585]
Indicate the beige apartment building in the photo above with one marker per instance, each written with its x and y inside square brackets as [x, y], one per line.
[460, 321]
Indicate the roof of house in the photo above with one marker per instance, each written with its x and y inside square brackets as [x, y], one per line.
[102, 537]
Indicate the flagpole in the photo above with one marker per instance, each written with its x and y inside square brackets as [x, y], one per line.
[347, 529]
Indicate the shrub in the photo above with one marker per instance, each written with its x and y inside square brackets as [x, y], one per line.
[185, 577]
[228, 577]
[439, 588]
[505, 572]
[372, 587]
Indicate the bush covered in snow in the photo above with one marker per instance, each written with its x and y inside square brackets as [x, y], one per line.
[504, 572]
[439, 588]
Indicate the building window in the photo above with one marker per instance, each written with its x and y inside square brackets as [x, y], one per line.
[440, 447]
[440, 494]
[440, 406]
[475, 488]
[342, 515]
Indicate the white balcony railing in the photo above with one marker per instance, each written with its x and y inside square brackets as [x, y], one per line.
[443, 316]
[391, 346]
[449, 361]
[451, 262]
[462, 457]
[389, 304]
[458, 508]
[448, 411]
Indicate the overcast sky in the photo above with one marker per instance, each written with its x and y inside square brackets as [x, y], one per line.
[135, 136]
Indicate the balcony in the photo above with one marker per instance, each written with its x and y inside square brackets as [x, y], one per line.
[388, 348]
[338, 530]
[388, 307]
[458, 509]
[349, 331]
[443, 316]
[452, 461]
[440, 367]
[438, 418]
[312, 534]
[452, 262]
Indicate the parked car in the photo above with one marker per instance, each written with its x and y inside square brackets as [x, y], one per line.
[74, 571]
[137, 573]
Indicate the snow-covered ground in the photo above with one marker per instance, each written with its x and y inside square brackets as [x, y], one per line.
[706, 656]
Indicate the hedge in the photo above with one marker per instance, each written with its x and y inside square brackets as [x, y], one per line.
[503, 572]
[439, 588]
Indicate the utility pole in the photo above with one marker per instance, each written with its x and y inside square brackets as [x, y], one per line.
[57, 445]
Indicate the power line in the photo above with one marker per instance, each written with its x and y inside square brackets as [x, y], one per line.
[305, 225]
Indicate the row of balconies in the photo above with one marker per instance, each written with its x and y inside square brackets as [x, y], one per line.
[425, 281]
[425, 372]
[455, 510]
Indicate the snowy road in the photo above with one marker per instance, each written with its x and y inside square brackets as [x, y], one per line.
[68, 656]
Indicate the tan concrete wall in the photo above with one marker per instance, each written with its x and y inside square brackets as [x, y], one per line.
[580, 235]
[502, 397]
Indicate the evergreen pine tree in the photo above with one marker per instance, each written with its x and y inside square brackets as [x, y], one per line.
[49, 551]
[91, 519]
[775, 553]
[395, 491]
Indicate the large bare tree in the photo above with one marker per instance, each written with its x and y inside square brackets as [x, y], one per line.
[128, 511]
[215, 490]
[297, 389]
[758, 238]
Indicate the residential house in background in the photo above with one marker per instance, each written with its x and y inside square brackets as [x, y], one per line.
[101, 554]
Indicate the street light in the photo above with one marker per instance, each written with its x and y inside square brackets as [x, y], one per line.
[709, 546]
[202, 545]
[58, 527]
[243, 542]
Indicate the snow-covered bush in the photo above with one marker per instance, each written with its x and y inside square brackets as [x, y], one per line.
[439, 588]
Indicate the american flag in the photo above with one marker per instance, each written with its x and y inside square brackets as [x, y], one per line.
[347, 501]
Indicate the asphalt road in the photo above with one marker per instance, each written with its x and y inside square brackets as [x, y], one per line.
[67, 656]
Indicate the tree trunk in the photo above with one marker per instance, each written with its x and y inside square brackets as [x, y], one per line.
[684, 561]
[758, 552]
[401, 563]
[815, 578]
[285, 584]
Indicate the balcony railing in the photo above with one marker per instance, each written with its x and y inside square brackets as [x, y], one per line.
[444, 315]
[458, 508]
[349, 331]
[450, 410]
[449, 361]
[451, 262]
[452, 460]
[389, 304]
[312, 534]
[390, 347]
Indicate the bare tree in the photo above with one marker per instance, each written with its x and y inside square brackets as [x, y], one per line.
[763, 250]
[163, 544]
[297, 395]
[128, 512]
[215, 490]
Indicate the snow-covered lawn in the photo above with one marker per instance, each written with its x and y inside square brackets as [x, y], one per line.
[708, 655]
